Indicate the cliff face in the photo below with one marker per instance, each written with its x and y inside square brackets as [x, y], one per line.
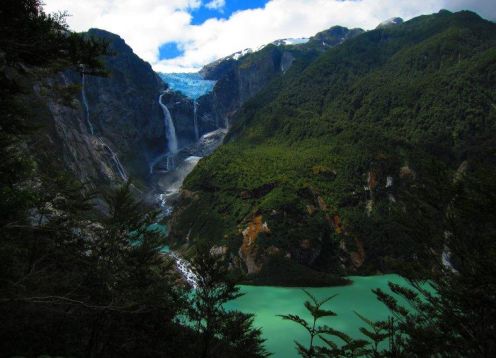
[123, 107]
[109, 129]
[243, 75]
[105, 130]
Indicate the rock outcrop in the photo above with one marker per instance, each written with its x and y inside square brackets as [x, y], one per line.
[243, 75]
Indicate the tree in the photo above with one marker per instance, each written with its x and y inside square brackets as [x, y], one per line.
[454, 312]
[348, 347]
[221, 333]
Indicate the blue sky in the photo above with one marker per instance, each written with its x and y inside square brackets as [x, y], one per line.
[184, 35]
[203, 13]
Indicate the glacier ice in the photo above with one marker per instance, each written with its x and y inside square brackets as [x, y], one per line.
[192, 85]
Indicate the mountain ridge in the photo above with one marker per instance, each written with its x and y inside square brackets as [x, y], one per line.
[370, 114]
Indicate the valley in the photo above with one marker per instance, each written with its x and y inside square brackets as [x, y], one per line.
[325, 195]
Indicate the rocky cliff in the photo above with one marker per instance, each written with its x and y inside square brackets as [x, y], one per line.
[243, 75]
[106, 129]
[123, 107]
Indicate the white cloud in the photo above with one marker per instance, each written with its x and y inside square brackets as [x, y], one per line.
[147, 24]
[216, 4]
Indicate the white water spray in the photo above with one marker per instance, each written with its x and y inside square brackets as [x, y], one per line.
[85, 103]
[170, 133]
[184, 267]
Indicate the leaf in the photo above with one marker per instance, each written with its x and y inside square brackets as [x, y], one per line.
[296, 319]
[333, 332]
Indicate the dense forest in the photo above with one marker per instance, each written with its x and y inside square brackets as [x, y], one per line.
[326, 153]
[374, 156]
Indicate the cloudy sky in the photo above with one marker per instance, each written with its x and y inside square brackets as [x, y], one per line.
[183, 35]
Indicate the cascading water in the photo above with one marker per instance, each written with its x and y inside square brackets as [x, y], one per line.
[170, 133]
[184, 267]
[85, 103]
[115, 160]
[118, 165]
[195, 119]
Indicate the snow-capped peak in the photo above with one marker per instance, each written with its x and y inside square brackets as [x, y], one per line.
[390, 22]
[239, 54]
[291, 41]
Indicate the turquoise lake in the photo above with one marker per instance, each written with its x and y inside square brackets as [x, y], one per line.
[266, 302]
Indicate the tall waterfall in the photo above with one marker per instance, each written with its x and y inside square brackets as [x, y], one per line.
[170, 133]
[195, 119]
[85, 103]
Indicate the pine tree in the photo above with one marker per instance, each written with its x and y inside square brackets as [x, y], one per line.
[453, 312]
[221, 333]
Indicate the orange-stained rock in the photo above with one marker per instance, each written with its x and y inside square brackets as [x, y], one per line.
[248, 249]
[311, 210]
[336, 222]
[358, 257]
[372, 180]
[406, 172]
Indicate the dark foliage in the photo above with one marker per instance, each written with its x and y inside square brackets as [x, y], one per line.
[353, 129]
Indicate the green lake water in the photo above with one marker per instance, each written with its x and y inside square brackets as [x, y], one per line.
[266, 302]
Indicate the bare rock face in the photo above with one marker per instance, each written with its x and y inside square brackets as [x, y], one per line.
[248, 250]
[243, 75]
[124, 106]
[106, 129]
[390, 22]
[218, 250]
[77, 148]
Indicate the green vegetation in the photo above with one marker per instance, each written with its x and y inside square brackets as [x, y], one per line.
[350, 348]
[325, 152]
[452, 313]
[220, 332]
[79, 279]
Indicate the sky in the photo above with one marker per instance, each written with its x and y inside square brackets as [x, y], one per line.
[184, 35]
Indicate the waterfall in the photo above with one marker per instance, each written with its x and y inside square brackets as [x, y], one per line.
[85, 103]
[195, 119]
[184, 267]
[170, 133]
[115, 160]
[119, 166]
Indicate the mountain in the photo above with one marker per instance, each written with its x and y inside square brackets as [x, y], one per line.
[318, 161]
[100, 129]
[106, 129]
[244, 74]
[124, 106]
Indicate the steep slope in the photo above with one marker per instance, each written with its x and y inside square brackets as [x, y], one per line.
[315, 164]
[106, 129]
[244, 74]
[124, 106]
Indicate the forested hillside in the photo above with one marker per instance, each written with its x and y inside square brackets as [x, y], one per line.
[316, 165]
